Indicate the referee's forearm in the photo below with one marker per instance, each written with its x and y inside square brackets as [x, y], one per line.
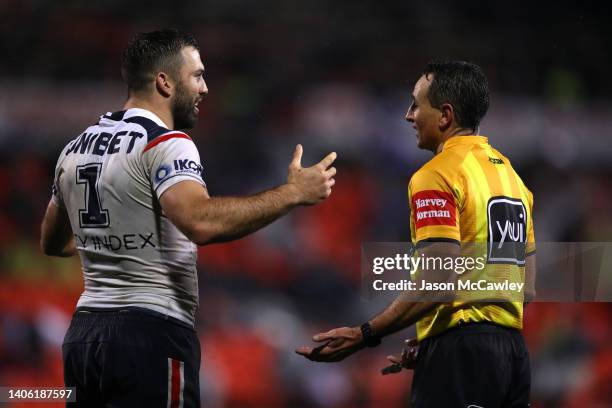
[399, 315]
[402, 312]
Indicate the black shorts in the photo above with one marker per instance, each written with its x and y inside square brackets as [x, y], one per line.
[131, 358]
[473, 365]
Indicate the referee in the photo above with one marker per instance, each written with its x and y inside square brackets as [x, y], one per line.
[467, 193]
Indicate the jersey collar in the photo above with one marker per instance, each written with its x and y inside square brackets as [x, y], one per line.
[146, 114]
[464, 140]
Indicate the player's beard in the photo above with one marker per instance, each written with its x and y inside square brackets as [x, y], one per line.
[183, 108]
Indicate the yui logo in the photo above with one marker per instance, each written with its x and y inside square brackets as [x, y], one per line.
[507, 235]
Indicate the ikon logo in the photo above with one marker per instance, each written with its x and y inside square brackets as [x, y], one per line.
[188, 165]
[507, 224]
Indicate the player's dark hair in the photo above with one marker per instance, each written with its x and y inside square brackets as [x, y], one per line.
[461, 84]
[152, 52]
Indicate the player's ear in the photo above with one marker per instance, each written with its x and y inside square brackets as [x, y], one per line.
[164, 84]
[447, 116]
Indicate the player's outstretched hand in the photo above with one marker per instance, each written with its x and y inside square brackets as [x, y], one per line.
[337, 345]
[406, 360]
[313, 184]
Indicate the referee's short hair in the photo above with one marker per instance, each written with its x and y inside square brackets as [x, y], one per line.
[463, 85]
[152, 52]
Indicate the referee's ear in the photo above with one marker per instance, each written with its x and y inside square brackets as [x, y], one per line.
[447, 116]
[163, 84]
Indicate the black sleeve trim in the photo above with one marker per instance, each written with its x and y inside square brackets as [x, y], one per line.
[530, 253]
[425, 242]
[193, 176]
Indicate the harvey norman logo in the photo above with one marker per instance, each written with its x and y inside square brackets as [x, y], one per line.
[429, 203]
[433, 207]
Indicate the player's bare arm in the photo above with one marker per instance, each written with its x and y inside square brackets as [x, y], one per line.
[56, 238]
[204, 219]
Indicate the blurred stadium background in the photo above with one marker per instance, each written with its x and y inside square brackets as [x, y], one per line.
[332, 76]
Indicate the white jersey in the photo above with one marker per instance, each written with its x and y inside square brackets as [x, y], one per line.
[110, 179]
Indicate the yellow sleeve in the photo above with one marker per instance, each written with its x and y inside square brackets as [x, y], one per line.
[433, 208]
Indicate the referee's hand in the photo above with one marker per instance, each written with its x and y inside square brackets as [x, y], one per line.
[337, 344]
[406, 360]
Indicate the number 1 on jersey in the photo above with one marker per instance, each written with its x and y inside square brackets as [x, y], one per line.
[93, 215]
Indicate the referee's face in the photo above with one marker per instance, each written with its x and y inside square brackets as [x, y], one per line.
[190, 89]
[423, 116]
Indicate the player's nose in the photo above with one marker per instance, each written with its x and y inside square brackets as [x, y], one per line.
[203, 88]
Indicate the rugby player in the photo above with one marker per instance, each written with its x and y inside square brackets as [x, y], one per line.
[129, 198]
[471, 353]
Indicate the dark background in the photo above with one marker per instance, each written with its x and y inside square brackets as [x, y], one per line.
[332, 76]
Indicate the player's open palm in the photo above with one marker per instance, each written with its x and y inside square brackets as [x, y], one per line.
[314, 184]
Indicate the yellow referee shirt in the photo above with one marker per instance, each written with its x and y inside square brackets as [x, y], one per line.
[469, 193]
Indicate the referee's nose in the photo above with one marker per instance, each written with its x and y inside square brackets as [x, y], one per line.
[409, 116]
[204, 88]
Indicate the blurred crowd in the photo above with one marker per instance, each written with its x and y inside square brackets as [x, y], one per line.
[332, 76]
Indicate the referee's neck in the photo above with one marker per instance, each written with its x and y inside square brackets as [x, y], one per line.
[452, 133]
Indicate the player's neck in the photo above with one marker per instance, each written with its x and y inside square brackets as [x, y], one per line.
[452, 133]
[162, 111]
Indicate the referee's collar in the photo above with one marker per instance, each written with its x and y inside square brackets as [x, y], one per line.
[464, 140]
[145, 114]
